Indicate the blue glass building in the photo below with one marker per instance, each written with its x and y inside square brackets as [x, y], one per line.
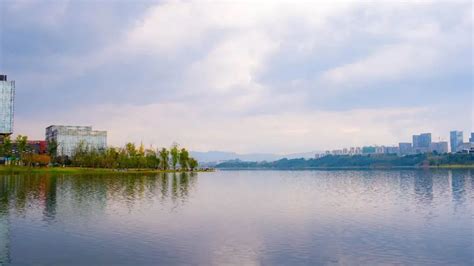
[7, 100]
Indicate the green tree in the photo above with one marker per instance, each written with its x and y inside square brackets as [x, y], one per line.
[164, 159]
[184, 159]
[22, 145]
[152, 161]
[193, 163]
[174, 155]
[131, 150]
[53, 149]
[7, 145]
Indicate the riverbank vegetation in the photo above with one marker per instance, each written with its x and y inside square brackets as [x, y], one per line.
[14, 169]
[361, 161]
[19, 153]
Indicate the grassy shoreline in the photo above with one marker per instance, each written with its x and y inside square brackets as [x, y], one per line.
[82, 170]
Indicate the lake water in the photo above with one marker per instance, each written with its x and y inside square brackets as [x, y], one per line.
[410, 217]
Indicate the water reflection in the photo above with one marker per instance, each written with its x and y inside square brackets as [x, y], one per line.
[458, 182]
[424, 186]
[90, 192]
[247, 217]
[4, 226]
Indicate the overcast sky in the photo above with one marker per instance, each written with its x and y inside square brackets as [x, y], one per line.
[257, 76]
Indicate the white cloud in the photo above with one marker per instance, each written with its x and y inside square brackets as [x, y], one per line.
[288, 132]
[231, 92]
[389, 63]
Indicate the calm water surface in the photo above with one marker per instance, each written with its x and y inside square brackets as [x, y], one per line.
[239, 217]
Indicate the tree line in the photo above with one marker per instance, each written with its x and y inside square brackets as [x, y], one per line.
[19, 152]
[357, 161]
[128, 156]
[133, 157]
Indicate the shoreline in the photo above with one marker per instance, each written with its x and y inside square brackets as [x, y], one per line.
[432, 167]
[83, 170]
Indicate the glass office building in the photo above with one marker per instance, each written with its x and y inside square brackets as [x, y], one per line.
[456, 139]
[68, 138]
[7, 99]
[422, 143]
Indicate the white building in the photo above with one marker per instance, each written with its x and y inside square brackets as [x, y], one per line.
[68, 138]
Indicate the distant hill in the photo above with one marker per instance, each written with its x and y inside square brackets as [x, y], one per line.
[222, 156]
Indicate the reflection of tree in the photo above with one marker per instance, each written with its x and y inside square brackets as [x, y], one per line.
[90, 193]
[174, 188]
[49, 210]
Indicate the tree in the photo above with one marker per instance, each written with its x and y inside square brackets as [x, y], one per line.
[7, 145]
[37, 159]
[193, 163]
[152, 161]
[164, 159]
[174, 155]
[21, 144]
[53, 149]
[81, 154]
[184, 159]
[131, 150]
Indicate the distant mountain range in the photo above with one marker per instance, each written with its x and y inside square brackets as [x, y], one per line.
[222, 156]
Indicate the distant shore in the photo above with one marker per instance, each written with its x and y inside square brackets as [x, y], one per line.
[83, 170]
[431, 167]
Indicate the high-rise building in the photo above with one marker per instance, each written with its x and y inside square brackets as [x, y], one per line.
[456, 138]
[422, 143]
[68, 138]
[471, 139]
[405, 148]
[391, 150]
[368, 150]
[7, 102]
[439, 147]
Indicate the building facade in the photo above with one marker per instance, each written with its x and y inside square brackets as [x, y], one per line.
[391, 150]
[471, 139]
[456, 139]
[422, 143]
[32, 147]
[68, 138]
[465, 147]
[7, 104]
[405, 148]
[439, 147]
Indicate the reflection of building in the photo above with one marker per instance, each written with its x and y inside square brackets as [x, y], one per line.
[439, 147]
[422, 143]
[456, 138]
[424, 186]
[69, 137]
[7, 97]
[457, 186]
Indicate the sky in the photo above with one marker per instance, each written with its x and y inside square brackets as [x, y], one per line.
[242, 76]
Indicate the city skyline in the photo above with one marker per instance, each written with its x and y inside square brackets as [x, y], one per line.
[272, 77]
